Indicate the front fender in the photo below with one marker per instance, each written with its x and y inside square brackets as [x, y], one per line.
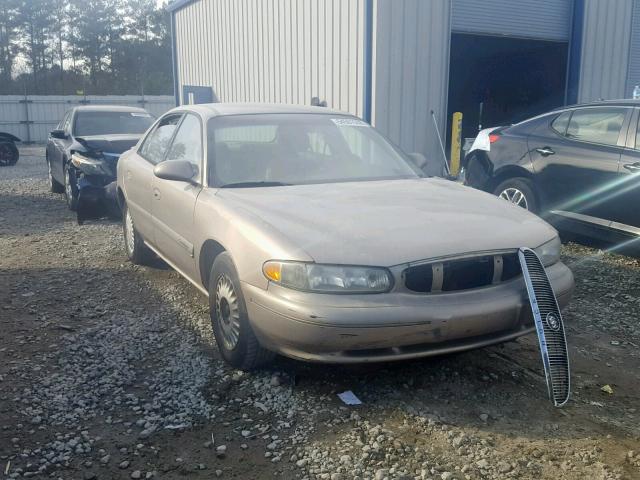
[249, 240]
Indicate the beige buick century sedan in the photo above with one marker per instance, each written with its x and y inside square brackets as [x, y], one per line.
[315, 238]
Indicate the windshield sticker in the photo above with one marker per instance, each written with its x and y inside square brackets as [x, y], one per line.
[135, 114]
[349, 122]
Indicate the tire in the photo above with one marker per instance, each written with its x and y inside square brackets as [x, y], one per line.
[71, 187]
[8, 154]
[54, 185]
[137, 252]
[236, 341]
[519, 191]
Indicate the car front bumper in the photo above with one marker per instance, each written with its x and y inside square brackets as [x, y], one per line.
[393, 326]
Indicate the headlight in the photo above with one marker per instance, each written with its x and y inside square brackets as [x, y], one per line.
[90, 166]
[549, 252]
[313, 277]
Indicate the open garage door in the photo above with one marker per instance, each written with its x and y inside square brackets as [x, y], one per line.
[508, 55]
[512, 78]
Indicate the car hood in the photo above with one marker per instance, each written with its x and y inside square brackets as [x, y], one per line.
[115, 144]
[389, 223]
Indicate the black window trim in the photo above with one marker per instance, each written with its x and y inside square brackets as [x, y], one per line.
[154, 128]
[622, 136]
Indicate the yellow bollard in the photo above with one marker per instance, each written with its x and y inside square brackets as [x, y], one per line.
[456, 143]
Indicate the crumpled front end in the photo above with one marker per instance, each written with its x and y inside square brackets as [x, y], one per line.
[95, 175]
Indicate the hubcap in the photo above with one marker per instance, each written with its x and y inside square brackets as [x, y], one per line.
[227, 312]
[515, 196]
[129, 233]
[49, 172]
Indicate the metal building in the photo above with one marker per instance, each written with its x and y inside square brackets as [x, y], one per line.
[393, 62]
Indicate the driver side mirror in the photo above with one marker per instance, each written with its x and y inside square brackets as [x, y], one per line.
[58, 134]
[176, 170]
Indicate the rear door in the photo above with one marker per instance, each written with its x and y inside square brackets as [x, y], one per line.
[627, 216]
[138, 174]
[575, 155]
[174, 202]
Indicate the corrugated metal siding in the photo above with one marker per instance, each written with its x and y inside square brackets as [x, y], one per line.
[45, 111]
[410, 72]
[284, 51]
[543, 19]
[605, 49]
[633, 74]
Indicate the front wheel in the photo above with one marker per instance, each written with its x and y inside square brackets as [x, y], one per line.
[71, 187]
[518, 191]
[236, 341]
[137, 252]
[8, 154]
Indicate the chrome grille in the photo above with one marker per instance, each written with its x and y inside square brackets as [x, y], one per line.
[548, 321]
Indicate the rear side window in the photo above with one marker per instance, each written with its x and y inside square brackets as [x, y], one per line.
[561, 123]
[597, 125]
[157, 142]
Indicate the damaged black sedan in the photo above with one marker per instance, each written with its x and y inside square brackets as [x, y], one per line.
[82, 153]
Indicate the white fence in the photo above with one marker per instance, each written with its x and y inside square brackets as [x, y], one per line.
[32, 117]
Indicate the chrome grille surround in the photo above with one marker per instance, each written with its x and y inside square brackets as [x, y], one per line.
[549, 326]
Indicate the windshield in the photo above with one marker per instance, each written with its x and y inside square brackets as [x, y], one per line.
[111, 123]
[294, 149]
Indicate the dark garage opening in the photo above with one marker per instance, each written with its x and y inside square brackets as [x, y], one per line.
[514, 78]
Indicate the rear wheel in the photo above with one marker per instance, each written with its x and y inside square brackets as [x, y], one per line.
[518, 191]
[54, 185]
[71, 187]
[137, 251]
[8, 154]
[236, 341]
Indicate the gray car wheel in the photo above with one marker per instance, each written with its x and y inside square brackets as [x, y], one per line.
[518, 191]
[137, 252]
[236, 341]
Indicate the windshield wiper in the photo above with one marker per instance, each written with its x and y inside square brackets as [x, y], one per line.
[254, 184]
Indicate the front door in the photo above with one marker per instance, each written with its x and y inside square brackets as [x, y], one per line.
[576, 156]
[139, 175]
[627, 217]
[174, 202]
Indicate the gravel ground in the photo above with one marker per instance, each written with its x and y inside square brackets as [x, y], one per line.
[108, 370]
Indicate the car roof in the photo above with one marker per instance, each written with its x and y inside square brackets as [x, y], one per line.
[223, 109]
[625, 102]
[108, 108]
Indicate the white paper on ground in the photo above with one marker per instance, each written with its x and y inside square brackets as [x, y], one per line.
[349, 398]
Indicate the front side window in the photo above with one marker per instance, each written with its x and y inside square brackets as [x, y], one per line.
[294, 149]
[598, 125]
[156, 144]
[88, 123]
[187, 144]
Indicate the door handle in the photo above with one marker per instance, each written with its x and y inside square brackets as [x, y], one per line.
[156, 193]
[632, 167]
[545, 151]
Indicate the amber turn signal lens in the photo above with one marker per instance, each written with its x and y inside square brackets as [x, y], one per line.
[273, 271]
